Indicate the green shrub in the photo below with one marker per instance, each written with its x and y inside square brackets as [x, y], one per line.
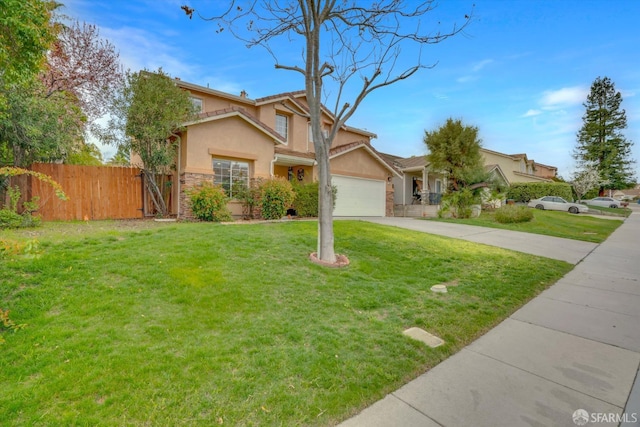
[306, 199]
[9, 216]
[10, 219]
[25, 249]
[277, 196]
[249, 196]
[525, 191]
[208, 202]
[509, 214]
[458, 204]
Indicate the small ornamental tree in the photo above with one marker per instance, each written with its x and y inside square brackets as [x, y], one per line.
[87, 67]
[454, 149]
[585, 180]
[147, 117]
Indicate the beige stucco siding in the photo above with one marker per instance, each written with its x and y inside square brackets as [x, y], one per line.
[215, 103]
[510, 165]
[297, 135]
[228, 138]
[306, 174]
[507, 164]
[345, 137]
[358, 163]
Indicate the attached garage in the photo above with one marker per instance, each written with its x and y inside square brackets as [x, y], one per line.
[359, 197]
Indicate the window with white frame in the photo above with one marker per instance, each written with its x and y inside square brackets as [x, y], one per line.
[197, 103]
[325, 133]
[232, 175]
[282, 125]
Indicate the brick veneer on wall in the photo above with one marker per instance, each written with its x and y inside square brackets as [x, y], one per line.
[389, 203]
[189, 180]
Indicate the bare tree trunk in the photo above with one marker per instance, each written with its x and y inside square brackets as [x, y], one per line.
[155, 193]
[18, 156]
[326, 251]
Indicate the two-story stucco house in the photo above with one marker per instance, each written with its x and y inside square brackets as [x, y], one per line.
[237, 139]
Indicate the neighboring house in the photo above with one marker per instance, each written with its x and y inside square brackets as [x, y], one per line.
[419, 190]
[628, 194]
[237, 139]
[518, 168]
[545, 171]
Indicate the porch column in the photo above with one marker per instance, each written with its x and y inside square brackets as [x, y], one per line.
[424, 198]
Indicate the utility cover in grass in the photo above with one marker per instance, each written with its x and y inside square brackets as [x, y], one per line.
[424, 336]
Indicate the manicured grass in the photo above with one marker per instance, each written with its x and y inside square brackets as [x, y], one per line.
[551, 223]
[202, 324]
[623, 212]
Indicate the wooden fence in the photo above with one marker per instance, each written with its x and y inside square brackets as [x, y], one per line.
[94, 192]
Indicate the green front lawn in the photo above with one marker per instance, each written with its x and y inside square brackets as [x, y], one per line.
[622, 212]
[201, 324]
[551, 223]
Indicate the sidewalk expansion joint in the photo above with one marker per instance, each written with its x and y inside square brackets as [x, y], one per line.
[541, 377]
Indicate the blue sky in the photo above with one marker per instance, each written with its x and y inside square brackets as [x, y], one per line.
[520, 72]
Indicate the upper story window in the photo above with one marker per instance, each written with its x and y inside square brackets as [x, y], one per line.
[232, 175]
[282, 126]
[197, 103]
[325, 133]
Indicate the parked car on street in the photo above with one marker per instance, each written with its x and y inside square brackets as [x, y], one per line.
[605, 202]
[555, 203]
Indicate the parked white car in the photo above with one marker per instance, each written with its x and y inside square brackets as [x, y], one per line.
[605, 202]
[554, 203]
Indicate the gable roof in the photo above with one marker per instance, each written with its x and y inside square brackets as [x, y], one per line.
[293, 97]
[362, 144]
[242, 114]
[496, 169]
[208, 90]
[546, 166]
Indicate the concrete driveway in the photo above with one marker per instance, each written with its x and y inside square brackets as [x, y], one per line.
[568, 250]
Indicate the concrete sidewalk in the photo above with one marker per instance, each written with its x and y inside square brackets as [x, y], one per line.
[574, 347]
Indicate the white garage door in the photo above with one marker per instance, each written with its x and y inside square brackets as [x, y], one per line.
[359, 197]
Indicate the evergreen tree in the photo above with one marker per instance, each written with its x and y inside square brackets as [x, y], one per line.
[600, 140]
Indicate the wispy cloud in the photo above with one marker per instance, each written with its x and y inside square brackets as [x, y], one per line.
[141, 49]
[480, 65]
[564, 97]
[532, 113]
[475, 69]
[466, 79]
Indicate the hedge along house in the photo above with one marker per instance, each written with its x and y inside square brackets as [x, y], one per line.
[419, 189]
[237, 139]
